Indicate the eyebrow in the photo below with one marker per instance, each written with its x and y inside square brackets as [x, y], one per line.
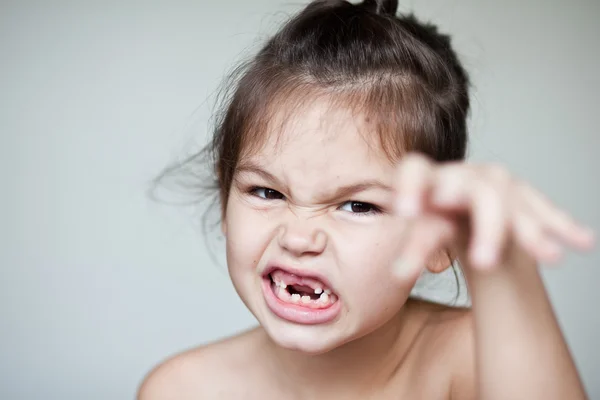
[342, 191]
[249, 167]
[345, 191]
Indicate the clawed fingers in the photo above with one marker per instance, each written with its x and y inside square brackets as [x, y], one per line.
[489, 223]
[413, 182]
[555, 221]
[461, 189]
[531, 235]
[500, 210]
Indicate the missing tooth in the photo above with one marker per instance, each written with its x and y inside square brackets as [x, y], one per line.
[302, 291]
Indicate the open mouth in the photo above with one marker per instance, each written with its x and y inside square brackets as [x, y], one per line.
[301, 291]
[299, 298]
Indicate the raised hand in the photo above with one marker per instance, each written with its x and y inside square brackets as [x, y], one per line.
[482, 209]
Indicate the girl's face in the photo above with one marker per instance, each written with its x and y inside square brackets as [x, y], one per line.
[311, 233]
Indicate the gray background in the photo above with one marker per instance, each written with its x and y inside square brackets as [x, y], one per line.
[98, 283]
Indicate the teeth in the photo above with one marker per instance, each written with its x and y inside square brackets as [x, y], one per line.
[281, 284]
[325, 295]
[282, 294]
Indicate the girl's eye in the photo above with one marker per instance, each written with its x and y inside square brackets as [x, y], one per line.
[358, 207]
[266, 193]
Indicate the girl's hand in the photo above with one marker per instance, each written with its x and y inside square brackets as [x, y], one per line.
[483, 210]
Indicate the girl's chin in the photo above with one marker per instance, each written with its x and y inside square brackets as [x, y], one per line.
[305, 339]
[310, 348]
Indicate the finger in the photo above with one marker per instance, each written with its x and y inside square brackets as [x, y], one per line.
[529, 233]
[489, 222]
[412, 183]
[450, 187]
[555, 220]
[427, 235]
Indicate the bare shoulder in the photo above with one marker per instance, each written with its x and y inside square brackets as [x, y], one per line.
[457, 327]
[202, 372]
[450, 344]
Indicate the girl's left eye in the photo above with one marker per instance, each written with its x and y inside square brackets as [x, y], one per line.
[358, 207]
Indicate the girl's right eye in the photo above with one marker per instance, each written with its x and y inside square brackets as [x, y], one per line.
[266, 193]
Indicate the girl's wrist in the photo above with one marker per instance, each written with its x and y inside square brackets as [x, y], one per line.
[518, 271]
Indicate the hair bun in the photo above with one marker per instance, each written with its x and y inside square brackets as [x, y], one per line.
[386, 7]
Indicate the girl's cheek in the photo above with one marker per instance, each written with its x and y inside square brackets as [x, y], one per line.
[249, 232]
[369, 257]
[381, 240]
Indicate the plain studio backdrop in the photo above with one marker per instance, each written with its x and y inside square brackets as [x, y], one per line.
[98, 283]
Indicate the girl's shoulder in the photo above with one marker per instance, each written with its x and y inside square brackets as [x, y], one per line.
[446, 346]
[443, 351]
[207, 371]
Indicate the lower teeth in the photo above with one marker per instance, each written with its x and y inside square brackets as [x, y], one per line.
[324, 299]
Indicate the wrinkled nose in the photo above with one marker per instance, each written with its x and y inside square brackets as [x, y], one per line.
[302, 238]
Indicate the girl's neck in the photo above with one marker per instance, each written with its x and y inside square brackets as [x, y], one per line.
[354, 368]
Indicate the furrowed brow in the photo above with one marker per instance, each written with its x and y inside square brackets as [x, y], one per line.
[348, 190]
[341, 192]
[252, 168]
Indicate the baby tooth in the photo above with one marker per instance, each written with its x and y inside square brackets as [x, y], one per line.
[295, 298]
[306, 299]
[281, 293]
[318, 290]
[324, 298]
[327, 291]
[281, 284]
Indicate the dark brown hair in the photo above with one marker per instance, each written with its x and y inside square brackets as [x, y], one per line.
[401, 74]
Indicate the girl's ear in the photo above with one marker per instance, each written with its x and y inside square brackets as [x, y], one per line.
[440, 261]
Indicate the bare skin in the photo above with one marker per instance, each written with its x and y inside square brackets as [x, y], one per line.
[321, 200]
[426, 343]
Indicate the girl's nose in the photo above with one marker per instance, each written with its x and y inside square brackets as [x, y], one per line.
[302, 238]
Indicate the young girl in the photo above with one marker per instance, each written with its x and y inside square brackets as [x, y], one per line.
[340, 166]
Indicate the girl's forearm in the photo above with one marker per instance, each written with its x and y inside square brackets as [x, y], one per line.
[520, 350]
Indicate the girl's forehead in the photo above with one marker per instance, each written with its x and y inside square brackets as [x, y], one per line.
[317, 128]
